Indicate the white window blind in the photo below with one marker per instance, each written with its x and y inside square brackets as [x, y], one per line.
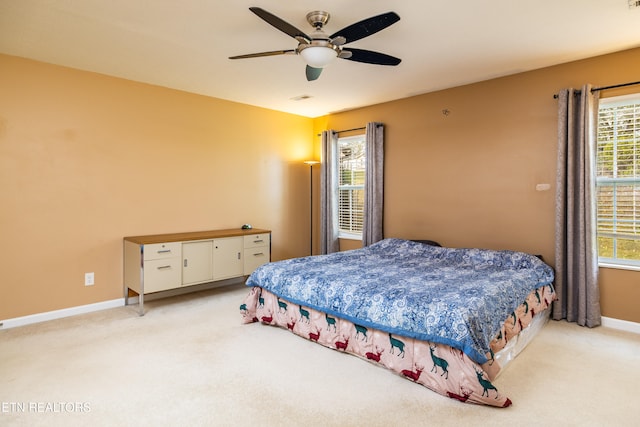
[618, 181]
[351, 186]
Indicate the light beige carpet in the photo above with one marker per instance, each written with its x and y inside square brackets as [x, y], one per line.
[189, 362]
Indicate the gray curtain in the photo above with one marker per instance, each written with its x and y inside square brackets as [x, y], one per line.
[374, 184]
[328, 195]
[576, 245]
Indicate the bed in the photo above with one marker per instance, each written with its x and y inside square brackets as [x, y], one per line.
[446, 318]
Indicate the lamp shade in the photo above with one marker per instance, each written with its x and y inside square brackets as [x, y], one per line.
[318, 56]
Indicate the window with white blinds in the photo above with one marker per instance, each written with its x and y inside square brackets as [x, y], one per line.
[351, 170]
[618, 181]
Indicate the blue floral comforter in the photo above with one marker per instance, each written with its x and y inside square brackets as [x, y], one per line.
[458, 297]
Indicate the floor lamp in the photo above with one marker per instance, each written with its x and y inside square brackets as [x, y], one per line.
[311, 163]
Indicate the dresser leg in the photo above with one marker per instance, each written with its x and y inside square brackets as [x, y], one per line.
[141, 304]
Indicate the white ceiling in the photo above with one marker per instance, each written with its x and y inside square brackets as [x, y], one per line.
[185, 44]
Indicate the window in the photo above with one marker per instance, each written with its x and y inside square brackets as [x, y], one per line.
[351, 172]
[618, 181]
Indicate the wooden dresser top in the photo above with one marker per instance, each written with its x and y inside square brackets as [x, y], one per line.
[194, 235]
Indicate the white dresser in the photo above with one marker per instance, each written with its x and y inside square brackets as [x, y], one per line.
[162, 262]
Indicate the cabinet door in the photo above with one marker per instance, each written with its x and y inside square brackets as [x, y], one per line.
[197, 262]
[227, 258]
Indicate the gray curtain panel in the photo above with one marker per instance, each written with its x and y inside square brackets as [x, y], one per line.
[576, 256]
[374, 184]
[328, 197]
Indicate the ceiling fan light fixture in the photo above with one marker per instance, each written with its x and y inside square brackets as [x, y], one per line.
[319, 49]
[318, 56]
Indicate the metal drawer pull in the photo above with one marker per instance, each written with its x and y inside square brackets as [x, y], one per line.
[258, 241]
[259, 254]
[164, 267]
[164, 251]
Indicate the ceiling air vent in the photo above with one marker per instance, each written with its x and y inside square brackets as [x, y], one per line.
[303, 97]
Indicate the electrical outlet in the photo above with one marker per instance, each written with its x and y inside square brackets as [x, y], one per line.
[89, 279]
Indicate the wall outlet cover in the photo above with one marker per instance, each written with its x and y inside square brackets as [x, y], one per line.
[89, 279]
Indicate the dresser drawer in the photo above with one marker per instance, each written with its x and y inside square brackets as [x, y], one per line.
[162, 250]
[256, 240]
[254, 258]
[162, 274]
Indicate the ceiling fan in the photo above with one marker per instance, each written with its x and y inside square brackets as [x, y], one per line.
[318, 49]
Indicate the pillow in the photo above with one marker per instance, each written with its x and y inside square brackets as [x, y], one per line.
[428, 242]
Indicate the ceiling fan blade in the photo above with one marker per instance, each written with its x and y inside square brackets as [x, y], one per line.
[313, 73]
[370, 57]
[367, 27]
[281, 25]
[271, 53]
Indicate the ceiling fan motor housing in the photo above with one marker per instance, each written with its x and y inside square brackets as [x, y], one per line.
[324, 50]
[318, 18]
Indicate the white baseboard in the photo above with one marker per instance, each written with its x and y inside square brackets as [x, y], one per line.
[623, 325]
[59, 314]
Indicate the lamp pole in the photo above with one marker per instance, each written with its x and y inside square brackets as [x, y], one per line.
[311, 163]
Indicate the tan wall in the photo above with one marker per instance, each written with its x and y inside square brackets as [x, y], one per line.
[87, 159]
[468, 178]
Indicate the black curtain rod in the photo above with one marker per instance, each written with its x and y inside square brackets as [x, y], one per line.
[596, 89]
[350, 130]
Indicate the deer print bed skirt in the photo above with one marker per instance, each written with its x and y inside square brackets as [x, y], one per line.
[439, 367]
